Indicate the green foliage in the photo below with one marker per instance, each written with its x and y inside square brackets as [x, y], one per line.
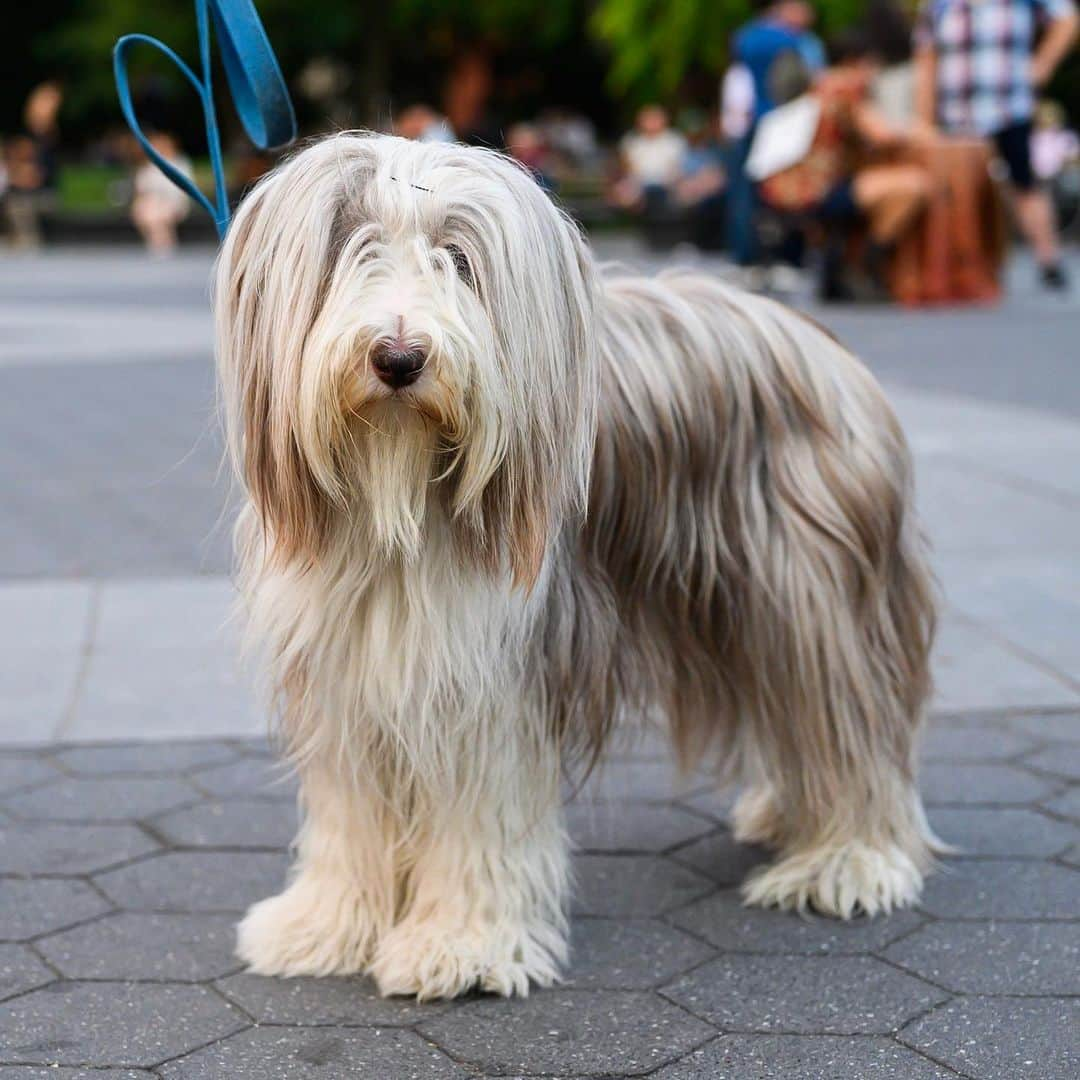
[80, 45]
[655, 44]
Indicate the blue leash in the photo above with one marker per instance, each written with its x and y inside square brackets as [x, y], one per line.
[255, 82]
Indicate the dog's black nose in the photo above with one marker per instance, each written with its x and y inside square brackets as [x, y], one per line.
[397, 366]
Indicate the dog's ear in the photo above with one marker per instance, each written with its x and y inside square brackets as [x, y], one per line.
[270, 278]
[539, 292]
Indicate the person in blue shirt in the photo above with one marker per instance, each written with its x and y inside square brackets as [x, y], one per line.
[773, 47]
[783, 29]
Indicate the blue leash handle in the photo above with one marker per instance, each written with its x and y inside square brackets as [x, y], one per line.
[255, 82]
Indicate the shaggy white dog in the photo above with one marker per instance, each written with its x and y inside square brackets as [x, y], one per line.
[497, 499]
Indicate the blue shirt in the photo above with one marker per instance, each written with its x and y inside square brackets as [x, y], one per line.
[758, 45]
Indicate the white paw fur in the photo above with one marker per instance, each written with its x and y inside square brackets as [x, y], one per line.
[429, 961]
[756, 819]
[315, 927]
[840, 880]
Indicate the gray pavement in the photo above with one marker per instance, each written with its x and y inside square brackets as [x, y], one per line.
[140, 812]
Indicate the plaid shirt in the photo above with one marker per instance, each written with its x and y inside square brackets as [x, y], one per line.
[984, 50]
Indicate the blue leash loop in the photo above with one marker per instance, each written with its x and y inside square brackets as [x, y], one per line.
[255, 82]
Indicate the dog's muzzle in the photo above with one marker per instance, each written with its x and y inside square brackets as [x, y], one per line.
[397, 366]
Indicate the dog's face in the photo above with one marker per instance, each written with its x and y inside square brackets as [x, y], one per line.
[400, 325]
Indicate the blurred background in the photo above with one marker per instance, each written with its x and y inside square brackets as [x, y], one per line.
[640, 117]
[635, 112]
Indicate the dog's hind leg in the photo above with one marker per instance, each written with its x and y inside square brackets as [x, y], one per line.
[834, 718]
[340, 898]
[829, 657]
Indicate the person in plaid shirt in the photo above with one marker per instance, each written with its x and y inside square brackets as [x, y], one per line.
[978, 71]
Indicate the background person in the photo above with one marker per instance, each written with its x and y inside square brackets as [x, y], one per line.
[159, 205]
[845, 179]
[768, 49]
[31, 165]
[700, 187]
[651, 162]
[978, 72]
[888, 31]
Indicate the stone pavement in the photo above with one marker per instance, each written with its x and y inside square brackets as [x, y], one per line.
[140, 812]
[125, 867]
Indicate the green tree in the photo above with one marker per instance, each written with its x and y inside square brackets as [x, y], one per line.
[655, 44]
[367, 37]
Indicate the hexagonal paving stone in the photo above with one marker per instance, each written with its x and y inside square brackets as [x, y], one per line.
[806, 1057]
[140, 945]
[254, 747]
[50, 1072]
[723, 920]
[995, 957]
[235, 823]
[29, 907]
[23, 770]
[633, 886]
[638, 781]
[1067, 804]
[1063, 761]
[849, 995]
[270, 1053]
[629, 954]
[143, 759]
[720, 858]
[352, 1001]
[196, 881]
[962, 743]
[68, 849]
[20, 970]
[1064, 726]
[983, 785]
[567, 1031]
[118, 1024]
[1002, 889]
[626, 827]
[1001, 832]
[1003, 1038]
[104, 799]
[254, 777]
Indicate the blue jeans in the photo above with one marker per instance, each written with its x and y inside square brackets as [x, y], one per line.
[741, 204]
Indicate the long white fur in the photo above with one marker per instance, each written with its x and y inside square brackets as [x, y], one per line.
[440, 627]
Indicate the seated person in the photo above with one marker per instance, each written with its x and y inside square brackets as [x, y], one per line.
[702, 180]
[526, 144]
[158, 206]
[846, 176]
[650, 161]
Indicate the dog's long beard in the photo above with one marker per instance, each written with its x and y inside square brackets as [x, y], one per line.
[396, 463]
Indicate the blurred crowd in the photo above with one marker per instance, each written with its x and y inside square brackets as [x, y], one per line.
[811, 153]
[843, 146]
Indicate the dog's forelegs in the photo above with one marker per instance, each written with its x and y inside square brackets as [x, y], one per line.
[484, 905]
[340, 896]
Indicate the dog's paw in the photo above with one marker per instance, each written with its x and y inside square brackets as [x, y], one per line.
[756, 819]
[312, 928]
[429, 962]
[840, 880]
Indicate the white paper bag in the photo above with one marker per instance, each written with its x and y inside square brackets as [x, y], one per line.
[783, 137]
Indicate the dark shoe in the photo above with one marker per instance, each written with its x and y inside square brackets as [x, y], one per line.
[1053, 277]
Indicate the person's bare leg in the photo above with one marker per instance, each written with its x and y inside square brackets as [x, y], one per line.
[1035, 213]
[891, 196]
